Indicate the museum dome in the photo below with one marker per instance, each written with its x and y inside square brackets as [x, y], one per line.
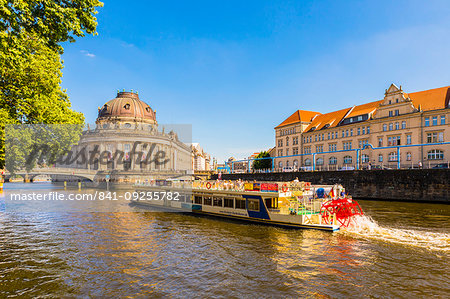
[126, 107]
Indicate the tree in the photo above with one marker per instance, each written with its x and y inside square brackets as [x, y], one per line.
[30, 64]
[263, 163]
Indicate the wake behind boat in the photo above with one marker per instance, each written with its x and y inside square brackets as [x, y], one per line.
[289, 204]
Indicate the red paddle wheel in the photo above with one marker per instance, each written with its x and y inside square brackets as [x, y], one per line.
[343, 208]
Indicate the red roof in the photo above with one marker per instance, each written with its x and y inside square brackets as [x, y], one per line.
[431, 99]
[298, 116]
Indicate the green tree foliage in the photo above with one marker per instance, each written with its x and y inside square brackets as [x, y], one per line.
[263, 163]
[31, 33]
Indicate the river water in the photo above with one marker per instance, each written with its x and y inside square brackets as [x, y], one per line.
[397, 249]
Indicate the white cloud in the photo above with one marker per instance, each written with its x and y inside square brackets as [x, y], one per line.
[86, 53]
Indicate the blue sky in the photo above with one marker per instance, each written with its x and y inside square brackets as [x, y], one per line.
[236, 69]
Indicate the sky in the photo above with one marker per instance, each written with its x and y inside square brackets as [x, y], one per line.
[236, 69]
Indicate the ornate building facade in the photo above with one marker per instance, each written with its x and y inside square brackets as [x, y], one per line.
[401, 130]
[126, 139]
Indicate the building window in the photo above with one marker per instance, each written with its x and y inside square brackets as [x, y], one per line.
[308, 162]
[287, 163]
[397, 112]
[280, 164]
[347, 145]
[394, 140]
[365, 158]
[403, 124]
[347, 159]
[408, 139]
[343, 133]
[332, 147]
[319, 149]
[287, 141]
[319, 161]
[393, 157]
[390, 113]
[346, 133]
[315, 137]
[351, 132]
[380, 141]
[280, 153]
[435, 155]
[427, 121]
[435, 137]
[363, 130]
[295, 163]
[328, 135]
[307, 150]
[332, 161]
[390, 127]
[380, 158]
[358, 132]
[287, 152]
[408, 156]
[435, 120]
[397, 126]
[384, 127]
[363, 142]
[295, 151]
[442, 119]
[368, 129]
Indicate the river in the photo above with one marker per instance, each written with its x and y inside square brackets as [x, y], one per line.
[397, 249]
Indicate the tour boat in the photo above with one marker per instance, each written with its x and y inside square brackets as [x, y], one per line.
[288, 204]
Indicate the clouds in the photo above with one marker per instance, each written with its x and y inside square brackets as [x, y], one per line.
[87, 54]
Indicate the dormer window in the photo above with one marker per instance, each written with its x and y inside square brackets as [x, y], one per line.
[127, 106]
[148, 109]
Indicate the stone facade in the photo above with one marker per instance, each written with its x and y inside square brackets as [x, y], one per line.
[328, 141]
[126, 125]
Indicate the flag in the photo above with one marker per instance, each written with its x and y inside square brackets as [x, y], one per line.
[331, 194]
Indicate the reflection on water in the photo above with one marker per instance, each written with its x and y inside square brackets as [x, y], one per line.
[161, 254]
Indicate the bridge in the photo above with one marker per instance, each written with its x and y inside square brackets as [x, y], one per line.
[79, 174]
[75, 173]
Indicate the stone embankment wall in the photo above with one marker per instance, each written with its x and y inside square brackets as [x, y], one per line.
[431, 185]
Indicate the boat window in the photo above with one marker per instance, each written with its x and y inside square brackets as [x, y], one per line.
[253, 205]
[198, 200]
[228, 203]
[240, 203]
[207, 200]
[217, 201]
[271, 203]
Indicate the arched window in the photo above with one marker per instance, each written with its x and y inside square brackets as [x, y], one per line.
[319, 161]
[365, 158]
[295, 163]
[287, 163]
[332, 161]
[308, 162]
[280, 164]
[435, 155]
[393, 157]
[348, 160]
[397, 126]
[380, 158]
[390, 127]
[408, 156]
[384, 127]
[403, 124]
